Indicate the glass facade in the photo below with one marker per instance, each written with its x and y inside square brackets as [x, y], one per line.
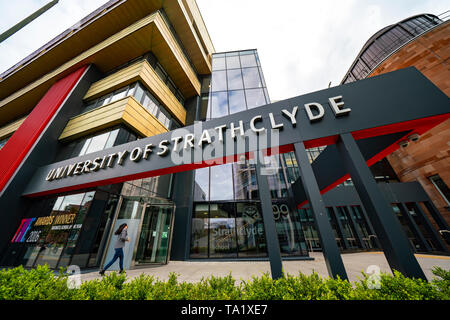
[96, 142]
[227, 220]
[64, 230]
[386, 41]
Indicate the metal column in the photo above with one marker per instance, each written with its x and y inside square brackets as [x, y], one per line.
[330, 249]
[390, 233]
[273, 246]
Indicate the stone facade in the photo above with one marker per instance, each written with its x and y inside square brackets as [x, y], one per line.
[430, 155]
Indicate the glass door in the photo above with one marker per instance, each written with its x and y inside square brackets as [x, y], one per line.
[155, 235]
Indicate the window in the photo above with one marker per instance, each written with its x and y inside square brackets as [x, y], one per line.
[251, 78]
[222, 229]
[199, 231]
[99, 142]
[219, 104]
[236, 101]
[219, 81]
[255, 98]
[442, 187]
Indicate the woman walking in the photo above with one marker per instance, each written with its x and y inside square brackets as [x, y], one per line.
[122, 237]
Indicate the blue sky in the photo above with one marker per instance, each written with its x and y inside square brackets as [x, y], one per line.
[303, 45]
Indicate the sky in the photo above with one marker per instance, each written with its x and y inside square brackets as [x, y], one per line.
[303, 45]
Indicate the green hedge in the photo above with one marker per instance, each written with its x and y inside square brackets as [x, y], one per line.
[42, 283]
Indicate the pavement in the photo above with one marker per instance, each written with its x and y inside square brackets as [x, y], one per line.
[193, 271]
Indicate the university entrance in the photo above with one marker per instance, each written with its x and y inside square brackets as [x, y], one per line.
[155, 234]
[150, 225]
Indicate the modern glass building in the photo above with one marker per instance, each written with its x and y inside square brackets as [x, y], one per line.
[131, 70]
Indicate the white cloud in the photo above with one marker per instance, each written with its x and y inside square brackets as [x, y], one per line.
[303, 45]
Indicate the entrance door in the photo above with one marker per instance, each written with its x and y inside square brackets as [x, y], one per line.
[155, 235]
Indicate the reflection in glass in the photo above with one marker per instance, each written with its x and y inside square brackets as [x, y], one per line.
[96, 143]
[201, 184]
[288, 234]
[222, 239]
[221, 182]
[248, 60]
[218, 63]
[199, 232]
[52, 246]
[236, 101]
[251, 78]
[233, 62]
[250, 230]
[219, 104]
[245, 186]
[234, 79]
[219, 81]
[255, 98]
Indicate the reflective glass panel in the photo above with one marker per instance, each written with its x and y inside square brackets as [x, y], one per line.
[119, 94]
[236, 101]
[255, 98]
[219, 104]
[233, 62]
[199, 231]
[234, 79]
[218, 63]
[248, 60]
[251, 78]
[222, 238]
[219, 81]
[221, 182]
[97, 143]
[250, 230]
[201, 186]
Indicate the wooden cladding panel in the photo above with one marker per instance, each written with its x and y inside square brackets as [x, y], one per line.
[127, 111]
[10, 128]
[143, 72]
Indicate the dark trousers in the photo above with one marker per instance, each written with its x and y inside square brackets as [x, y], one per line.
[118, 254]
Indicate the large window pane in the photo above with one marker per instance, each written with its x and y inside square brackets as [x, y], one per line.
[219, 81]
[222, 237]
[139, 93]
[251, 78]
[234, 79]
[250, 230]
[248, 60]
[245, 186]
[236, 101]
[119, 94]
[201, 186]
[233, 62]
[97, 143]
[288, 235]
[218, 63]
[221, 182]
[111, 139]
[219, 104]
[255, 98]
[199, 232]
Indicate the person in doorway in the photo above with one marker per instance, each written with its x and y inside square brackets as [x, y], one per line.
[122, 238]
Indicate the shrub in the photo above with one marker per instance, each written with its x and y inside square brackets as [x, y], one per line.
[42, 283]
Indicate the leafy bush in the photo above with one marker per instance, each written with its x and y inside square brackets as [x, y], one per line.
[42, 283]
